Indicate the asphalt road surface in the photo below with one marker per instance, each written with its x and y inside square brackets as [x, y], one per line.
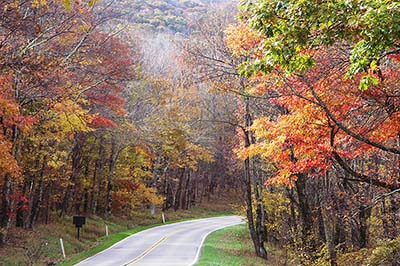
[176, 244]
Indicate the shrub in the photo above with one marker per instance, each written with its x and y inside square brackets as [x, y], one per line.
[387, 253]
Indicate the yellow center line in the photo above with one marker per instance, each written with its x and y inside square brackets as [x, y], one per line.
[158, 243]
[150, 249]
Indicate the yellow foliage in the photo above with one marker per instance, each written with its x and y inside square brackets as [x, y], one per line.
[276, 206]
[57, 159]
[70, 117]
[38, 3]
[241, 40]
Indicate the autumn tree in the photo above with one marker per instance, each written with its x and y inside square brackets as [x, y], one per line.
[55, 92]
[335, 100]
[215, 65]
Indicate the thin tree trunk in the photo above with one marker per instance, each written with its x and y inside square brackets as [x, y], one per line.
[305, 212]
[329, 226]
[39, 197]
[186, 194]
[321, 226]
[49, 190]
[257, 239]
[178, 194]
[363, 226]
[5, 209]
[96, 181]
[76, 159]
[110, 185]
[260, 211]
[21, 212]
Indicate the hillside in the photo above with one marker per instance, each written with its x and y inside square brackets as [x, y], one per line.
[160, 15]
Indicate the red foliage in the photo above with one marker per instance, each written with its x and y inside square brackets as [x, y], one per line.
[102, 122]
[302, 140]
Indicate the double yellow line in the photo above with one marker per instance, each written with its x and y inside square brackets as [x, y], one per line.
[151, 248]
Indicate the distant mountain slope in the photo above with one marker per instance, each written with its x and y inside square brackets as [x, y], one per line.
[161, 15]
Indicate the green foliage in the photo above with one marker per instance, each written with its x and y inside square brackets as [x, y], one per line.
[291, 28]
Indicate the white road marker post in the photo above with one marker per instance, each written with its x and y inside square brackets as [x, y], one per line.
[62, 248]
[106, 230]
[163, 217]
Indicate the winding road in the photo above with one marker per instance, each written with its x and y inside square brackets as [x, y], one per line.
[176, 244]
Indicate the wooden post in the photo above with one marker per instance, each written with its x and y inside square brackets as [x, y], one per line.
[78, 233]
[62, 248]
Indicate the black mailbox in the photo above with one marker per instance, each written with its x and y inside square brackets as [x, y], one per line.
[78, 221]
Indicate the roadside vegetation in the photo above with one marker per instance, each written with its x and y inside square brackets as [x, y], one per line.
[229, 246]
[42, 246]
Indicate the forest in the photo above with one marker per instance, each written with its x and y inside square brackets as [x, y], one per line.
[290, 109]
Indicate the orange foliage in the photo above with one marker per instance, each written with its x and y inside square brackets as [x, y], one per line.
[301, 139]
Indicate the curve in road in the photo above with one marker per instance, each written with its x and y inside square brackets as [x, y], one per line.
[175, 244]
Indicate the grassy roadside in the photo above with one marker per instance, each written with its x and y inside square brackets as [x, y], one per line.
[41, 246]
[230, 246]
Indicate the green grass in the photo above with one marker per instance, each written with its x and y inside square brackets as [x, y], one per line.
[230, 246]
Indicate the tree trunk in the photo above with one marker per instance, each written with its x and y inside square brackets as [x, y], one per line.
[38, 198]
[96, 181]
[329, 226]
[21, 213]
[111, 168]
[260, 211]
[76, 159]
[305, 213]
[85, 201]
[49, 190]
[293, 224]
[363, 226]
[186, 194]
[178, 194]
[321, 226]
[5, 209]
[257, 239]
